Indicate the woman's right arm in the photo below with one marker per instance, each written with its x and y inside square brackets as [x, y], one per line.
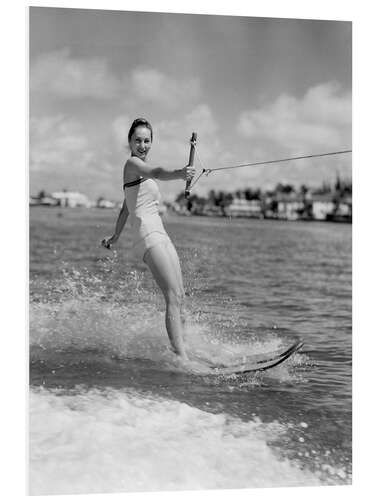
[120, 223]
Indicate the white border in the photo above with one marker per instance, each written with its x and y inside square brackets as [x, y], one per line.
[335, 10]
[14, 227]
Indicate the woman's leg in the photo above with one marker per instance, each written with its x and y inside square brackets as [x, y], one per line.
[162, 263]
[177, 267]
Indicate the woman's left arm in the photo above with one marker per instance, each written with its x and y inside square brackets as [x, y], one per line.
[120, 223]
[140, 167]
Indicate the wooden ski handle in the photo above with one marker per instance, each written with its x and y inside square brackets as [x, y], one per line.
[193, 142]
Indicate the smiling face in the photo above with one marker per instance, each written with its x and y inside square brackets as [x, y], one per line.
[140, 142]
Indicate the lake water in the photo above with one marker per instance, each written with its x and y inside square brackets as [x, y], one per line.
[111, 411]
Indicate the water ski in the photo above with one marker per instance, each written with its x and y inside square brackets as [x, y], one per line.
[257, 362]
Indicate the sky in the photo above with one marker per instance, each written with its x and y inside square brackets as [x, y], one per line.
[254, 89]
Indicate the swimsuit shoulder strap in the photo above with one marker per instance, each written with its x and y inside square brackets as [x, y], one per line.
[134, 183]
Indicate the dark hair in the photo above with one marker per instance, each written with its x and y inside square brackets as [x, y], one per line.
[139, 122]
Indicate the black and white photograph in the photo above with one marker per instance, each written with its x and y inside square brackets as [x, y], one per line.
[190, 251]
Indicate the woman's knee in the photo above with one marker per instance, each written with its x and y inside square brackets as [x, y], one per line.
[175, 296]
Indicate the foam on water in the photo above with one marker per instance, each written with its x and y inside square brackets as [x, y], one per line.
[101, 441]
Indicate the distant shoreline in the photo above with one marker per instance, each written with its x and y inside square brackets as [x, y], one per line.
[170, 211]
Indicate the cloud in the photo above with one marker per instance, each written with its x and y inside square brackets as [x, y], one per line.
[318, 122]
[56, 141]
[153, 86]
[66, 153]
[320, 119]
[60, 74]
[120, 128]
[202, 119]
[174, 136]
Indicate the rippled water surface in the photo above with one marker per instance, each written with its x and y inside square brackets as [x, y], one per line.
[111, 410]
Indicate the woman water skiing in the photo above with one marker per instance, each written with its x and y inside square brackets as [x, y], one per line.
[150, 240]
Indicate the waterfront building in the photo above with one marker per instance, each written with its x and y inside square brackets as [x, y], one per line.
[240, 207]
[290, 206]
[322, 205]
[46, 200]
[71, 199]
[103, 203]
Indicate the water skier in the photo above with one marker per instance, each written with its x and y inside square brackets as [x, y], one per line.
[150, 240]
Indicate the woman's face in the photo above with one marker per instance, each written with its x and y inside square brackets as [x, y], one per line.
[140, 142]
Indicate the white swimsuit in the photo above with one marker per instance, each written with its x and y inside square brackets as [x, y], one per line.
[142, 199]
